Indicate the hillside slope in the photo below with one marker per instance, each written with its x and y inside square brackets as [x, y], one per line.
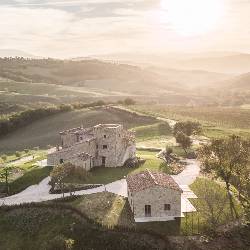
[241, 82]
[45, 132]
[91, 73]
[238, 63]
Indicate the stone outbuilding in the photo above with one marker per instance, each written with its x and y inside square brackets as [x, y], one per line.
[154, 196]
[107, 145]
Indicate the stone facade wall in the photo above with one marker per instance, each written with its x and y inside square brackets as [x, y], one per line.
[107, 143]
[87, 164]
[68, 140]
[156, 197]
[67, 153]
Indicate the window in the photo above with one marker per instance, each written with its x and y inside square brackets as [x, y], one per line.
[105, 136]
[96, 146]
[167, 207]
[147, 210]
[105, 146]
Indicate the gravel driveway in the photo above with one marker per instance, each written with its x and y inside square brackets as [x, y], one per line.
[40, 192]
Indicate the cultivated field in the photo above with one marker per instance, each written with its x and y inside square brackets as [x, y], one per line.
[45, 132]
[216, 121]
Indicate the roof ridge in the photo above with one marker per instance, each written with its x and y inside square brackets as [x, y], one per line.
[152, 176]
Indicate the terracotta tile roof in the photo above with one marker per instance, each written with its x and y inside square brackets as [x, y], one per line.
[83, 156]
[148, 179]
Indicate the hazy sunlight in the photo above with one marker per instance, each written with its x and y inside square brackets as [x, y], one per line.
[192, 17]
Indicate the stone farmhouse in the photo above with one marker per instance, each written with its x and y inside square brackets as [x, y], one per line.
[107, 145]
[154, 196]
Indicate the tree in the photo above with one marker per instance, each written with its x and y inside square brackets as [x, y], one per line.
[5, 173]
[4, 157]
[58, 175]
[223, 158]
[169, 156]
[183, 140]
[189, 128]
[17, 154]
[129, 101]
[212, 210]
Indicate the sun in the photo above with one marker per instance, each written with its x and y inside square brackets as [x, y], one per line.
[192, 17]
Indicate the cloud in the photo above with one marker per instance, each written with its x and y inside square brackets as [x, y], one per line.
[77, 28]
[56, 32]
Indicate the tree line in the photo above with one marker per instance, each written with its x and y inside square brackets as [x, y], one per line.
[15, 121]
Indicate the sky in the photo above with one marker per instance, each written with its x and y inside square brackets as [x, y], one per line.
[75, 28]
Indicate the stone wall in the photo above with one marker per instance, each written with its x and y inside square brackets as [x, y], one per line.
[156, 197]
[67, 153]
[108, 141]
[113, 138]
[87, 164]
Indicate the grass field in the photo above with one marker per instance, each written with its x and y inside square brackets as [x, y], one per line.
[209, 193]
[152, 131]
[45, 132]
[216, 122]
[56, 228]
[28, 94]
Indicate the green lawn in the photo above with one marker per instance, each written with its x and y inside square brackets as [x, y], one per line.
[13, 157]
[25, 174]
[29, 178]
[107, 175]
[152, 131]
[212, 198]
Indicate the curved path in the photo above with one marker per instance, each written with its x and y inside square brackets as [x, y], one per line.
[189, 174]
[40, 192]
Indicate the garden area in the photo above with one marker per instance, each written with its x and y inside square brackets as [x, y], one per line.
[100, 175]
[22, 169]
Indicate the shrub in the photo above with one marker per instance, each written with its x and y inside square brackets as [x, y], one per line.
[57, 243]
[18, 154]
[189, 128]
[4, 157]
[129, 101]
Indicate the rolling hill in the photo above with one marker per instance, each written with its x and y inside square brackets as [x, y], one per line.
[241, 82]
[59, 81]
[236, 64]
[15, 53]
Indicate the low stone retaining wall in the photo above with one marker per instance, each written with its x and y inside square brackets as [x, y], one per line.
[74, 187]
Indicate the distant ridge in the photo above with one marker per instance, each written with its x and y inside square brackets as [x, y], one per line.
[15, 53]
